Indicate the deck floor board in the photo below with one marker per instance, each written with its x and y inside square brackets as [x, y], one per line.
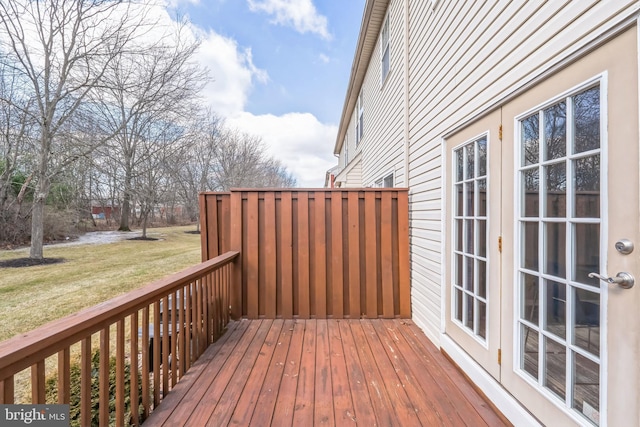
[324, 372]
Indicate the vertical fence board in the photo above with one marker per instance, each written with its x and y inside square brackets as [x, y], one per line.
[371, 243]
[236, 288]
[205, 239]
[320, 259]
[270, 254]
[212, 230]
[403, 255]
[286, 254]
[303, 255]
[252, 255]
[336, 266]
[386, 255]
[353, 234]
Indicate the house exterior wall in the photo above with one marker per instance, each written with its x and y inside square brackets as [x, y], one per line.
[465, 59]
[382, 144]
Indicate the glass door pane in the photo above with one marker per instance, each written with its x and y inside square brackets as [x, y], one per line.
[559, 241]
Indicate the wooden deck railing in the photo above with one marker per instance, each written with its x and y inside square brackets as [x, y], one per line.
[190, 308]
[320, 253]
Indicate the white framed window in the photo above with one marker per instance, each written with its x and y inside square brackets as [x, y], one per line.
[559, 225]
[385, 50]
[469, 255]
[386, 181]
[345, 148]
[359, 117]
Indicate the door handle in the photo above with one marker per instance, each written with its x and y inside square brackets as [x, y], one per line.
[622, 279]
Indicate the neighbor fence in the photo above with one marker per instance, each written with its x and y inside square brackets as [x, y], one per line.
[337, 253]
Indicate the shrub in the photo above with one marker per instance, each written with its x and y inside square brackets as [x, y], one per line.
[74, 409]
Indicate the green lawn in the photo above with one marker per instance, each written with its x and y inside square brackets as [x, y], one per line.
[33, 296]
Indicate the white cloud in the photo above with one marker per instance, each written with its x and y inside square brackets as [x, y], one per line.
[299, 140]
[232, 70]
[299, 14]
[324, 58]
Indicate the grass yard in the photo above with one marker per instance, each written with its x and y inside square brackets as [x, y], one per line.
[33, 296]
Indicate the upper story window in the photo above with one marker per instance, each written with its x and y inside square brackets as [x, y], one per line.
[385, 50]
[345, 148]
[359, 117]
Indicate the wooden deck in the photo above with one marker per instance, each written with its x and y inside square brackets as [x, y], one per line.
[324, 372]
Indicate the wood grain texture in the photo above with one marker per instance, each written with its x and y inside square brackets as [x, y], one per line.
[324, 372]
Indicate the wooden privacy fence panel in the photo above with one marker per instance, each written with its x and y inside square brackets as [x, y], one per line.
[157, 331]
[313, 253]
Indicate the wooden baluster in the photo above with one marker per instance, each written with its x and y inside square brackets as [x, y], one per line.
[175, 333]
[133, 370]
[184, 330]
[165, 339]
[156, 354]
[204, 285]
[104, 377]
[146, 353]
[189, 328]
[120, 373]
[7, 391]
[37, 383]
[198, 318]
[64, 376]
[85, 382]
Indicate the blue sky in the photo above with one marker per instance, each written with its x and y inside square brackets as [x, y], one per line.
[280, 70]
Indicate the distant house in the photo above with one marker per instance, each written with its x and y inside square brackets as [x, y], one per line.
[515, 125]
[104, 212]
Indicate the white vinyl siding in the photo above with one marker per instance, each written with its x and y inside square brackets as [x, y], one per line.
[385, 51]
[466, 58]
[383, 147]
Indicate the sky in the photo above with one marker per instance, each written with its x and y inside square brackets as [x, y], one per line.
[279, 70]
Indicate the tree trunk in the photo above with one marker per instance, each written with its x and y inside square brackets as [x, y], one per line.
[126, 204]
[37, 219]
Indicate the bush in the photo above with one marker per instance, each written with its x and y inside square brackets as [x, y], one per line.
[74, 410]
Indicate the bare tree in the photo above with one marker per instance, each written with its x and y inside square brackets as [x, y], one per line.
[156, 87]
[240, 160]
[62, 49]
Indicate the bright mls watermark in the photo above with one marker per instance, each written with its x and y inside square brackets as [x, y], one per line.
[34, 415]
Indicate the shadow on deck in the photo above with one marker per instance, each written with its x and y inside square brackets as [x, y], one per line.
[333, 372]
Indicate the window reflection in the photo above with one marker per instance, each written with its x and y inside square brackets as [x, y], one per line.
[555, 131]
[587, 253]
[587, 187]
[586, 113]
[556, 242]
[556, 176]
[555, 308]
[530, 129]
[531, 192]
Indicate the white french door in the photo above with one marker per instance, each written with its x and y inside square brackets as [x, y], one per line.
[528, 233]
